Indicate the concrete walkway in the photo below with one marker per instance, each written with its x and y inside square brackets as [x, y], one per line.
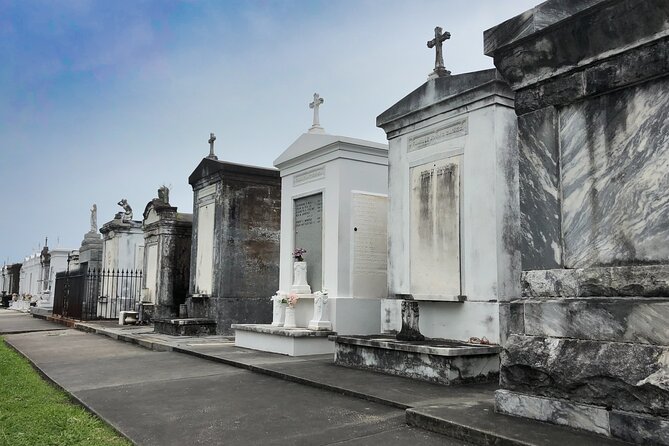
[167, 398]
[154, 387]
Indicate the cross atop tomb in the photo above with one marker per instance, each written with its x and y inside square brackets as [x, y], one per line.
[212, 138]
[316, 127]
[439, 38]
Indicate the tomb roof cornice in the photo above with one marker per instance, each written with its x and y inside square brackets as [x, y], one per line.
[209, 170]
[444, 93]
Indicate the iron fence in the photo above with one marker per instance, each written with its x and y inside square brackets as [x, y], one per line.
[93, 294]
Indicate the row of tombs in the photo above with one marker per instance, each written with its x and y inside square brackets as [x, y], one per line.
[515, 228]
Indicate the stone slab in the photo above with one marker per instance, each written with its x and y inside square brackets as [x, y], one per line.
[580, 416]
[441, 369]
[185, 327]
[280, 331]
[641, 321]
[438, 347]
[637, 280]
[651, 431]
[301, 343]
[623, 376]
[479, 424]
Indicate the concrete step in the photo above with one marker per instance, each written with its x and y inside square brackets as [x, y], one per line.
[479, 424]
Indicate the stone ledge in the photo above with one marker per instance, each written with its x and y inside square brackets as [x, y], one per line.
[615, 281]
[437, 347]
[188, 321]
[299, 332]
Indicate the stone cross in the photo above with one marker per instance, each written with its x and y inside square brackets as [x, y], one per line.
[212, 138]
[316, 127]
[439, 38]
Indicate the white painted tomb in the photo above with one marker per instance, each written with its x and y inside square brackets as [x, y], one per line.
[334, 205]
[453, 205]
[452, 231]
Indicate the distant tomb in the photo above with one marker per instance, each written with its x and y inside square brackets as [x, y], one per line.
[235, 242]
[167, 248]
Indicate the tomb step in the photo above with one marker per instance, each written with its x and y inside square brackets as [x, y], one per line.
[189, 326]
[479, 424]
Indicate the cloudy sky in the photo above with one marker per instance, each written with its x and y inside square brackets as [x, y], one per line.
[101, 100]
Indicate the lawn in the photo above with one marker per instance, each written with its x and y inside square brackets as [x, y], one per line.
[34, 413]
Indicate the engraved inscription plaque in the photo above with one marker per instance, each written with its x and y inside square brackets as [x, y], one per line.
[370, 245]
[309, 176]
[435, 230]
[204, 265]
[444, 133]
[309, 235]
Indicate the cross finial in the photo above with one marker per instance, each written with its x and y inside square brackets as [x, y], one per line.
[212, 138]
[316, 126]
[439, 38]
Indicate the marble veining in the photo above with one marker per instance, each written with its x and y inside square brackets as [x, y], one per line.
[539, 192]
[618, 320]
[615, 177]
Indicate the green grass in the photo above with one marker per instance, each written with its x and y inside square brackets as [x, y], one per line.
[34, 413]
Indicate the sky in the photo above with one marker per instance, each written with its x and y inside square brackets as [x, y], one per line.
[102, 100]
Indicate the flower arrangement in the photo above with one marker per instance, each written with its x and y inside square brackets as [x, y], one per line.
[298, 253]
[292, 300]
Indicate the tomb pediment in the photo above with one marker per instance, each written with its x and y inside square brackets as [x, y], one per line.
[316, 144]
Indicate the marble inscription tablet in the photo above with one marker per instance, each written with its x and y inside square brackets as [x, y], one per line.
[370, 245]
[205, 249]
[435, 229]
[452, 130]
[309, 235]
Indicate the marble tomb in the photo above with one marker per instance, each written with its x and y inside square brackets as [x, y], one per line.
[586, 339]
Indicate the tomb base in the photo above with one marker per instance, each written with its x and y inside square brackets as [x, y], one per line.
[435, 360]
[185, 327]
[287, 341]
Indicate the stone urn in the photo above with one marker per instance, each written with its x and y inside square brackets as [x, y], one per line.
[300, 285]
[289, 321]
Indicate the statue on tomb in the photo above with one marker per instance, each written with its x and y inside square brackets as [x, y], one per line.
[94, 218]
[127, 215]
[439, 38]
[164, 194]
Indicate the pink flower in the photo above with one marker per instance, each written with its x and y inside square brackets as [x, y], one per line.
[292, 300]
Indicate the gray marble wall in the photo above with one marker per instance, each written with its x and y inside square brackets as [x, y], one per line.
[587, 340]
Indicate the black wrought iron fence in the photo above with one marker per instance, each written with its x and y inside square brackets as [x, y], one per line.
[97, 294]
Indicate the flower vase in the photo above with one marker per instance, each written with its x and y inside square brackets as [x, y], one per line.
[300, 285]
[289, 321]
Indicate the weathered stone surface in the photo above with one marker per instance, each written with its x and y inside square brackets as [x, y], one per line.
[541, 16]
[244, 203]
[539, 176]
[185, 327]
[623, 376]
[427, 367]
[638, 280]
[595, 33]
[579, 416]
[650, 431]
[280, 331]
[619, 320]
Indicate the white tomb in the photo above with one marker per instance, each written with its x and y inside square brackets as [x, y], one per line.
[334, 205]
[453, 205]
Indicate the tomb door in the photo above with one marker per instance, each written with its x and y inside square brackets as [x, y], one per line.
[435, 230]
[309, 235]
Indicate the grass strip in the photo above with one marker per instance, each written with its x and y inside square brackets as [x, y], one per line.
[34, 413]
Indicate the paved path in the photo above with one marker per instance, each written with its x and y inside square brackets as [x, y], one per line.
[167, 398]
[16, 322]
